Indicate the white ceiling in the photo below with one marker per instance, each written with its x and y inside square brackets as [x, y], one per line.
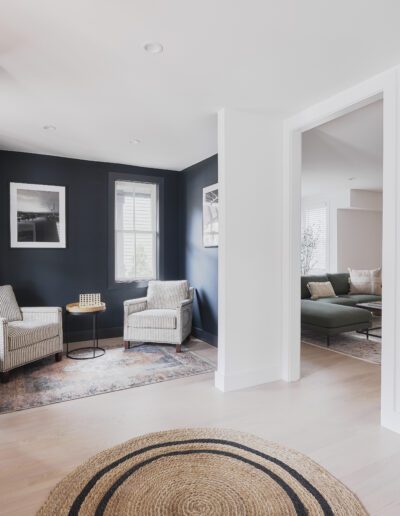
[80, 65]
[344, 153]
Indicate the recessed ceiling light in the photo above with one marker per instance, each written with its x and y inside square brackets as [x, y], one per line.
[135, 141]
[351, 178]
[49, 127]
[153, 47]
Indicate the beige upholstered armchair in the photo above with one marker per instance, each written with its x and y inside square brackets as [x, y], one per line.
[27, 334]
[164, 316]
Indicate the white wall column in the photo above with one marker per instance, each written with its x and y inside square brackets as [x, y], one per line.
[250, 192]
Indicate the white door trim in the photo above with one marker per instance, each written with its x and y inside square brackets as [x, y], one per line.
[384, 85]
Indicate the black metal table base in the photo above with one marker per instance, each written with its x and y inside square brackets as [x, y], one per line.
[96, 349]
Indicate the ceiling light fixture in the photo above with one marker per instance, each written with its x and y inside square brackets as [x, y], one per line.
[351, 178]
[153, 47]
[135, 141]
[49, 127]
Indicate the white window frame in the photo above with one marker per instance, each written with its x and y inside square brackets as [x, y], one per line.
[154, 231]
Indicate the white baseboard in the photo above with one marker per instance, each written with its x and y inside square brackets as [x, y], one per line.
[233, 382]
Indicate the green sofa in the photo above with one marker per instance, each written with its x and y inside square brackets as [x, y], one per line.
[332, 315]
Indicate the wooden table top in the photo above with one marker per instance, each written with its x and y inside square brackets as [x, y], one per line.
[75, 308]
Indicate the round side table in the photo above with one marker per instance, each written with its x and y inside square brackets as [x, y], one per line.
[76, 310]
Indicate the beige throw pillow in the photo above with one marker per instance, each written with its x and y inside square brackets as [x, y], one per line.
[320, 289]
[366, 281]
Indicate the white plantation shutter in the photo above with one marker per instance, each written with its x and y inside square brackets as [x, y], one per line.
[135, 231]
[315, 216]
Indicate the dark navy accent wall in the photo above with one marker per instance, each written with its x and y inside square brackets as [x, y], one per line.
[54, 277]
[199, 264]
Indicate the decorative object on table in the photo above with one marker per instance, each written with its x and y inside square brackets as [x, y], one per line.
[164, 316]
[89, 300]
[46, 382]
[210, 216]
[37, 216]
[82, 353]
[27, 334]
[201, 471]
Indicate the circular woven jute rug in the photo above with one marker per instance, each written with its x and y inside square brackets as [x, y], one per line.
[200, 472]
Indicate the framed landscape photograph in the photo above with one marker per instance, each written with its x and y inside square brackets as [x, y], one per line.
[37, 216]
[210, 216]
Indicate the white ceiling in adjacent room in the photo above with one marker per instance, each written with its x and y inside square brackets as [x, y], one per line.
[79, 67]
[344, 154]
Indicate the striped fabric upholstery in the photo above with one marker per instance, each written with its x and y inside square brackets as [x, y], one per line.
[39, 335]
[9, 309]
[161, 319]
[166, 294]
[25, 333]
[167, 329]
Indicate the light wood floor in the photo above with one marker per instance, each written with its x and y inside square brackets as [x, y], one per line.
[332, 415]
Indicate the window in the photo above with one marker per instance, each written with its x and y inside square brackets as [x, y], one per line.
[135, 231]
[314, 239]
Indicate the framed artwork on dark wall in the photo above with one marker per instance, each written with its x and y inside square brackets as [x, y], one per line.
[37, 216]
[210, 216]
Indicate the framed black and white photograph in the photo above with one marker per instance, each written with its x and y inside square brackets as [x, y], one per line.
[37, 216]
[210, 216]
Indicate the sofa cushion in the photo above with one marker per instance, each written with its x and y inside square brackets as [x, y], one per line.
[305, 293]
[366, 281]
[327, 315]
[25, 333]
[338, 300]
[363, 298]
[340, 282]
[166, 294]
[157, 319]
[320, 289]
[9, 308]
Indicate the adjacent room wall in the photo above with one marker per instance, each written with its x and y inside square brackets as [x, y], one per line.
[199, 264]
[359, 244]
[57, 276]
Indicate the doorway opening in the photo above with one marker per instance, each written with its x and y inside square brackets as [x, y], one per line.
[341, 234]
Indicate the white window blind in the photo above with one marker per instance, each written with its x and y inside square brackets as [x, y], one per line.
[314, 239]
[135, 231]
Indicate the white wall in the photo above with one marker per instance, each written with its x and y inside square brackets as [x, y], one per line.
[250, 187]
[359, 243]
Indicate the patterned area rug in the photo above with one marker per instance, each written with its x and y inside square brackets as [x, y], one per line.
[201, 471]
[353, 344]
[46, 381]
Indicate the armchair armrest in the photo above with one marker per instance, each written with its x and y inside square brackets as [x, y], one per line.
[135, 305]
[47, 314]
[3, 339]
[189, 300]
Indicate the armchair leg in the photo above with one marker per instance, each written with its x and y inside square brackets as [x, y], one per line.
[4, 377]
[178, 348]
[126, 344]
[58, 356]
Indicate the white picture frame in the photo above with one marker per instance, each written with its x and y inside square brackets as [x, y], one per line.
[37, 216]
[210, 216]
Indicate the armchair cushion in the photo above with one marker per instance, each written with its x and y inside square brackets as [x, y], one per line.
[9, 308]
[25, 333]
[156, 319]
[166, 294]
